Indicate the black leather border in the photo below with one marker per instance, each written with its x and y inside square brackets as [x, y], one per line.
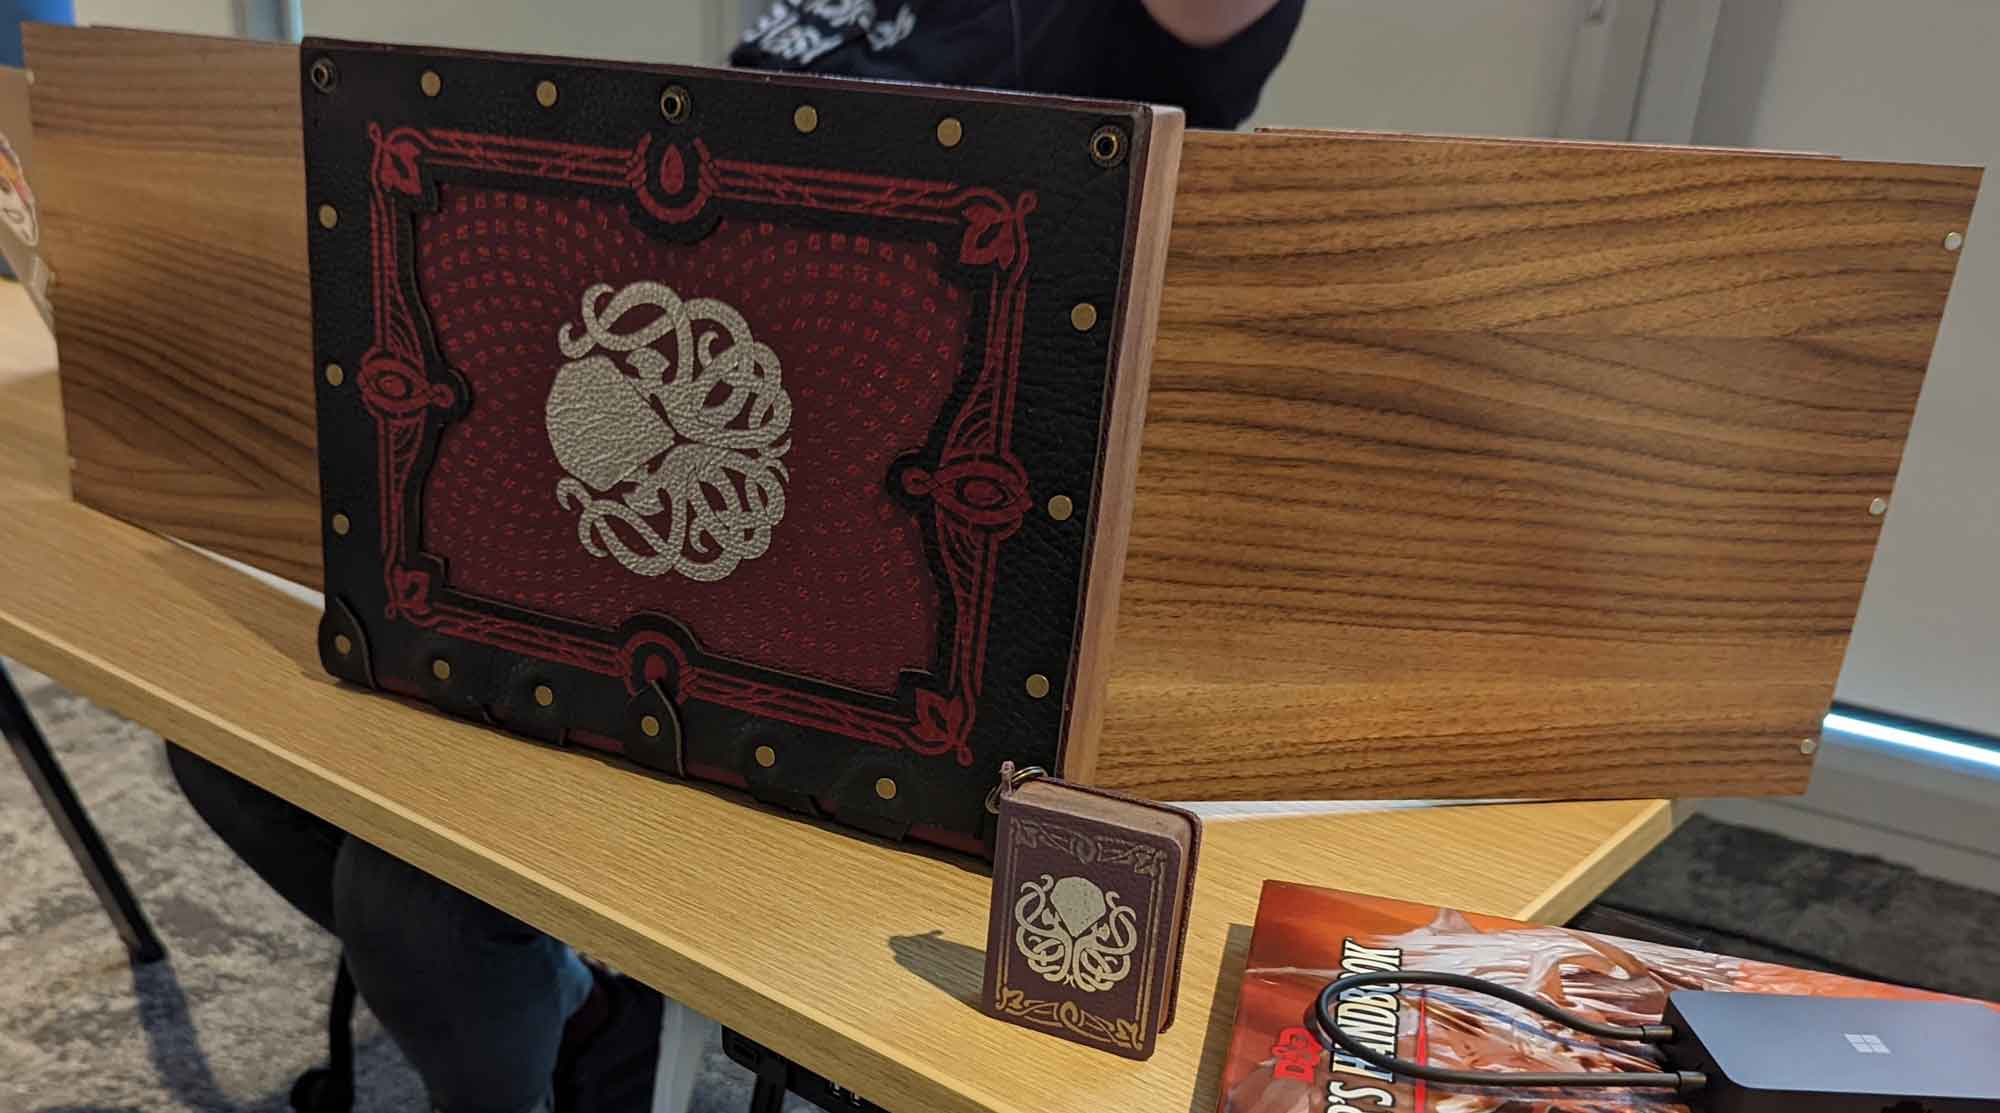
[1080, 240]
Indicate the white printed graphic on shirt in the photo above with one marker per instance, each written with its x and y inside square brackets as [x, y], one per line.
[782, 33]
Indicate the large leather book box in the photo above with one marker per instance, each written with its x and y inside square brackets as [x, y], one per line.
[777, 433]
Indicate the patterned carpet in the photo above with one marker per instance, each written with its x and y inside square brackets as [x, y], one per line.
[238, 1010]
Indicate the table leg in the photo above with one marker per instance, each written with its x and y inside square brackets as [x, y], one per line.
[683, 1039]
[26, 740]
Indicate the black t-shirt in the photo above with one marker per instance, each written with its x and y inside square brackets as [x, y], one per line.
[1111, 49]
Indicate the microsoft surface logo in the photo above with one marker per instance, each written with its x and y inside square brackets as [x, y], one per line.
[1867, 1044]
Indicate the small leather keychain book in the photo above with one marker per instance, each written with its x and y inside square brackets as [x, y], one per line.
[1091, 891]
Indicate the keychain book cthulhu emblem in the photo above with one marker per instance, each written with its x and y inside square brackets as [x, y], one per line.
[772, 431]
[1091, 893]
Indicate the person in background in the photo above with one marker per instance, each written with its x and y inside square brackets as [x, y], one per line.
[1209, 57]
[13, 13]
[499, 1017]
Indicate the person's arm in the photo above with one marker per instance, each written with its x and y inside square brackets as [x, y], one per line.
[1205, 23]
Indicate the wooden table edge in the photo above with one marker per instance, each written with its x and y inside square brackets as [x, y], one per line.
[1585, 881]
[706, 983]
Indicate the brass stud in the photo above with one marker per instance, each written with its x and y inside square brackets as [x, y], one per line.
[766, 756]
[432, 84]
[1060, 508]
[1083, 317]
[1809, 746]
[545, 94]
[649, 726]
[885, 788]
[950, 131]
[342, 644]
[335, 375]
[1107, 146]
[544, 695]
[1954, 240]
[441, 668]
[1038, 685]
[805, 118]
[323, 75]
[328, 216]
[674, 104]
[340, 525]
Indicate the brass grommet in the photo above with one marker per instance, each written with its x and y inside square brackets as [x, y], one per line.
[1107, 146]
[950, 131]
[545, 94]
[334, 375]
[328, 216]
[431, 83]
[342, 644]
[885, 788]
[340, 525]
[323, 75]
[675, 103]
[766, 756]
[649, 726]
[1060, 508]
[1083, 316]
[441, 668]
[805, 118]
[1038, 685]
[544, 695]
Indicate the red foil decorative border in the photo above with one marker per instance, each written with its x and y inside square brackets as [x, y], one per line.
[978, 491]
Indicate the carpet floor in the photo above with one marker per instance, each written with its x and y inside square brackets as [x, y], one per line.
[239, 1008]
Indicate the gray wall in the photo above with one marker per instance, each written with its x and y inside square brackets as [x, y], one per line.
[681, 31]
[1916, 80]
[202, 17]
[1479, 68]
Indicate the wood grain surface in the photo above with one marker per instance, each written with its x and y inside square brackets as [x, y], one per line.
[860, 960]
[32, 455]
[1470, 468]
[1514, 468]
[172, 178]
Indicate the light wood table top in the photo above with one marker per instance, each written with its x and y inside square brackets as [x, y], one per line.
[856, 959]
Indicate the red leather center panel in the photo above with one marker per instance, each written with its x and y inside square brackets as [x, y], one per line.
[869, 335]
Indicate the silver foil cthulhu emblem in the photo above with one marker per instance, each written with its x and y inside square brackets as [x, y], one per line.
[671, 423]
[1073, 933]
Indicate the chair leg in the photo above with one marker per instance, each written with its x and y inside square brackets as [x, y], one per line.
[26, 740]
[330, 1089]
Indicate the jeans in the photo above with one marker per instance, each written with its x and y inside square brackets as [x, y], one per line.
[475, 998]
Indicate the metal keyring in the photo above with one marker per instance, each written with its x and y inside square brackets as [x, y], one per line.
[1021, 776]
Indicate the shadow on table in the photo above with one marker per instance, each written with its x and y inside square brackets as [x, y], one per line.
[1221, 1018]
[960, 971]
[957, 969]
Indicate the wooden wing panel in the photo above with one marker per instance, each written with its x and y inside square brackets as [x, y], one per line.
[1514, 469]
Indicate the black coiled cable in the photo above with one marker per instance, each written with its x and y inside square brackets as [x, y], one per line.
[1326, 1018]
